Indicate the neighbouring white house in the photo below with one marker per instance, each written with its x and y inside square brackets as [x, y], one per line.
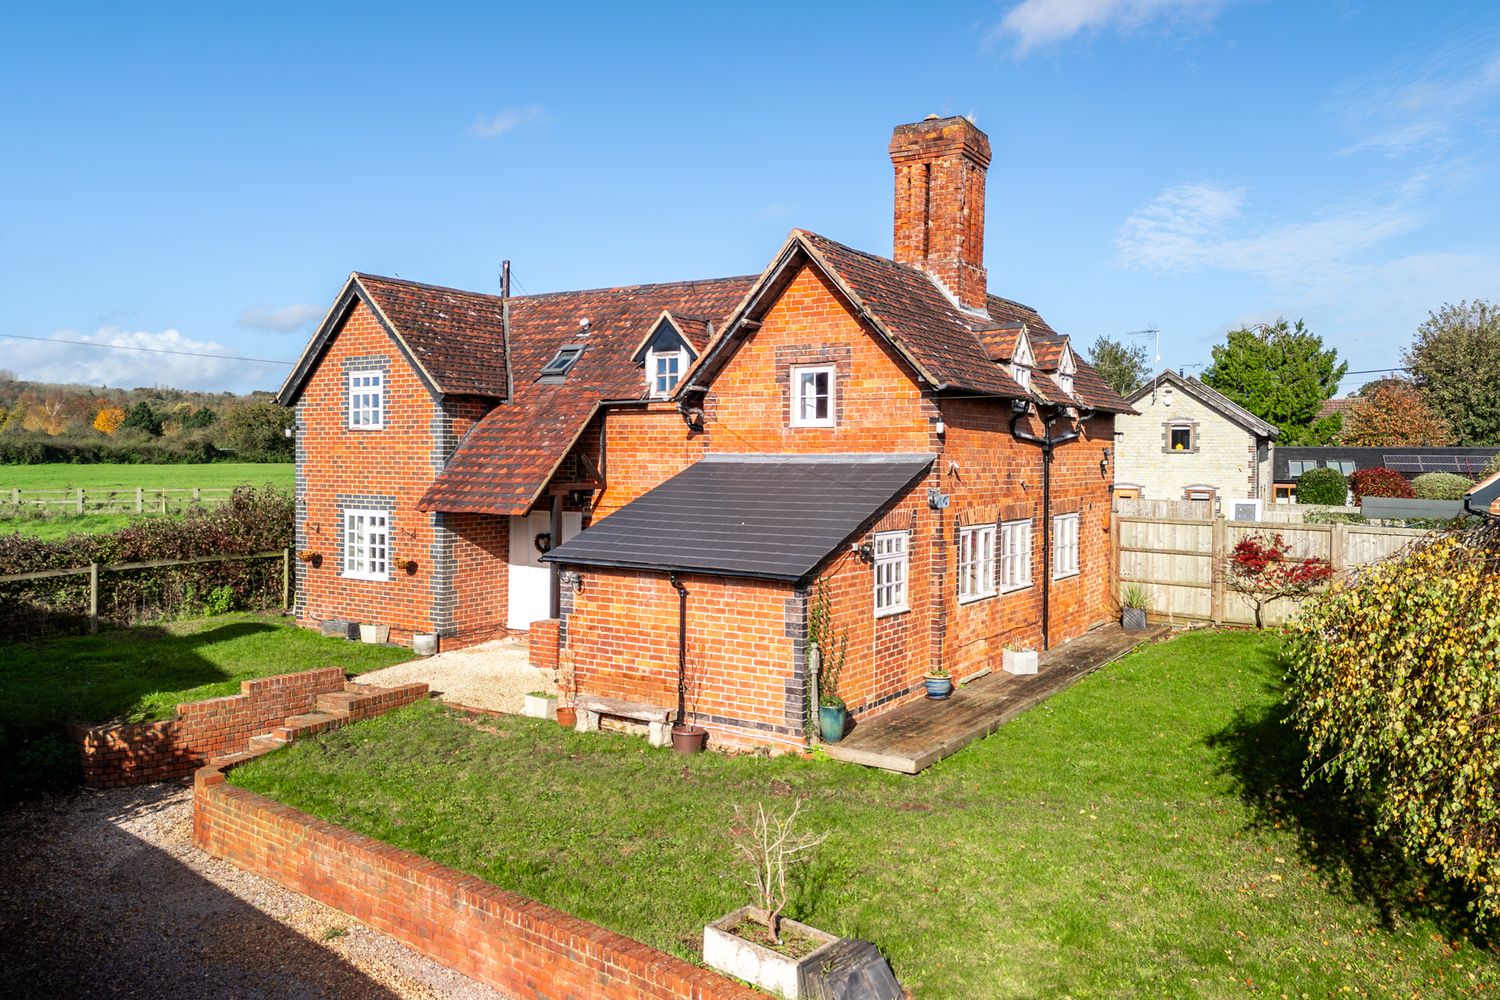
[1188, 442]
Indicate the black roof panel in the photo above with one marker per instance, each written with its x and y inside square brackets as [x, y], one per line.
[772, 517]
[1408, 461]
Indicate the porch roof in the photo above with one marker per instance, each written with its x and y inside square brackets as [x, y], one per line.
[772, 517]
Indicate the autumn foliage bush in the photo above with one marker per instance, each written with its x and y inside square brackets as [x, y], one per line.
[251, 521]
[1262, 569]
[1379, 483]
[1393, 683]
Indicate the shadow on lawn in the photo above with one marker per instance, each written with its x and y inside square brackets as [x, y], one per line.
[46, 685]
[1335, 828]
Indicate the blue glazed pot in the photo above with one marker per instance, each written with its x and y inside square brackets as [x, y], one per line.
[832, 722]
[939, 688]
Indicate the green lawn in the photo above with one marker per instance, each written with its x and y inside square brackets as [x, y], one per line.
[61, 525]
[1141, 834]
[105, 476]
[140, 674]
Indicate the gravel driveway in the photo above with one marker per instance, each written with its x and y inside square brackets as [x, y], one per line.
[492, 675]
[104, 894]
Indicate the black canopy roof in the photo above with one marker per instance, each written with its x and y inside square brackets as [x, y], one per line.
[773, 517]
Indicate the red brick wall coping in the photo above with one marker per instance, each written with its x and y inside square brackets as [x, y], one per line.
[510, 942]
[116, 755]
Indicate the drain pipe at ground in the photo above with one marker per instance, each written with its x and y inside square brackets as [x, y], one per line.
[1047, 444]
[682, 596]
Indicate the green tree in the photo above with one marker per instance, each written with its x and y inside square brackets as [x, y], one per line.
[143, 418]
[201, 417]
[1455, 362]
[1282, 373]
[1125, 367]
[257, 432]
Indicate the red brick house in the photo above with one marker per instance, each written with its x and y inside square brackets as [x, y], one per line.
[667, 471]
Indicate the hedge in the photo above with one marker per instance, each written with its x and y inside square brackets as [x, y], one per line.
[1380, 483]
[27, 448]
[1441, 486]
[1322, 486]
[251, 521]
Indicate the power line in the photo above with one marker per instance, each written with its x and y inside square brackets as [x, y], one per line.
[146, 350]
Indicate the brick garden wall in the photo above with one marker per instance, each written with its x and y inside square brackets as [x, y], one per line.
[502, 939]
[156, 751]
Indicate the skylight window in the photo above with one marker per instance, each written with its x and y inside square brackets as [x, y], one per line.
[562, 361]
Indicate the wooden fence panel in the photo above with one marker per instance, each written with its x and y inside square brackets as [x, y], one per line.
[1183, 510]
[1184, 562]
[125, 500]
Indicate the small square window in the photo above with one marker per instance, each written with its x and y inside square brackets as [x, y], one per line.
[812, 396]
[367, 544]
[890, 572]
[366, 400]
[1180, 438]
[666, 372]
[976, 562]
[562, 361]
[1064, 546]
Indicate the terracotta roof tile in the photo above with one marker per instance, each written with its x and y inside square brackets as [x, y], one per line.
[455, 335]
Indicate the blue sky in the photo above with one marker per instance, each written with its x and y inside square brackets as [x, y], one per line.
[203, 177]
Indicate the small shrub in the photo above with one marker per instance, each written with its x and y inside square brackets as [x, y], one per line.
[220, 601]
[1262, 570]
[1322, 486]
[1380, 483]
[771, 849]
[1441, 486]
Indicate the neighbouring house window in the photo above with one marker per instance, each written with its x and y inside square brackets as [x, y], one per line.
[1180, 437]
[812, 396]
[890, 572]
[366, 400]
[1064, 546]
[367, 544]
[1127, 492]
[976, 562]
[1015, 555]
[666, 372]
[1286, 493]
[1198, 493]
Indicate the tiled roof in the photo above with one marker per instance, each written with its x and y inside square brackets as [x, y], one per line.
[1331, 406]
[455, 335]
[503, 463]
[1210, 397]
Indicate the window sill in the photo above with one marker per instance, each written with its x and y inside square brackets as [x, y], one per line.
[367, 577]
[1016, 589]
[825, 425]
[892, 612]
[975, 598]
[1074, 574]
[366, 427]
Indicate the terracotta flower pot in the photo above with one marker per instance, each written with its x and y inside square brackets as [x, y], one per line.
[688, 739]
[567, 716]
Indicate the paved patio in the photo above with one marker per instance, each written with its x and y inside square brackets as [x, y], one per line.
[914, 736]
[493, 675]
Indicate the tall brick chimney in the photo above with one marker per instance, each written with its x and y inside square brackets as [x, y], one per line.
[940, 169]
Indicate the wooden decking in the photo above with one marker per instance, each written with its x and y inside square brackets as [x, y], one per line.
[914, 736]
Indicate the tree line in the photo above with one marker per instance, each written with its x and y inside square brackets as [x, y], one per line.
[1283, 373]
[59, 422]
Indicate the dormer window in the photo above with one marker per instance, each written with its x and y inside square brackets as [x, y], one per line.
[665, 371]
[1022, 375]
[562, 362]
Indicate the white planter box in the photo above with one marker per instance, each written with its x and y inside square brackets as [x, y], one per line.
[538, 707]
[758, 965]
[375, 634]
[1020, 661]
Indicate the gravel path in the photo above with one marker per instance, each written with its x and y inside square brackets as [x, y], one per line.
[492, 675]
[104, 894]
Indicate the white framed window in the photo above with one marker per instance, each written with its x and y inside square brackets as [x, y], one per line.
[666, 372]
[812, 395]
[1064, 546]
[1022, 375]
[366, 400]
[1065, 383]
[1015, 555]
[890, 572]
[976, 562]
[367, 544]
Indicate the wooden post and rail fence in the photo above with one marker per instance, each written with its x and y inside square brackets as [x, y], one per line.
[137, 500]
[1184, 562]
[92, 571]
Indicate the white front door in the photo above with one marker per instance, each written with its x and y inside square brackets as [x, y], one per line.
[529, 594]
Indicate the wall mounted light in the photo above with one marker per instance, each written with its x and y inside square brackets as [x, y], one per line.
[866, 552]
[1104, 463]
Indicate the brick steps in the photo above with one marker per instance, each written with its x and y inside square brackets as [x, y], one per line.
[332, 710]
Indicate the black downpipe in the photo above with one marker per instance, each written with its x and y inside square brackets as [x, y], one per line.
[1047, 444]
[682, 596]
[554, 578]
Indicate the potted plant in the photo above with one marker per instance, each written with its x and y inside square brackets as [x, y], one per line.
[1135, 604]
[539, 705]
[1018, 660]
[939, 683]
[826, 652]
[686, 737]
[756, 943]
[313, 559]
[566, 713]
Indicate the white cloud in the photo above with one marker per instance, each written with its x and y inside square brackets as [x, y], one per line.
[52, 360]
[283, 320]
[1423, 107]
[1033, 23]
[490, 126]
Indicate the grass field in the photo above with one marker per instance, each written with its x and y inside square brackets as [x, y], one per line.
[62, 525]
[1143, 833]
[59, 476]
[140, 674]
